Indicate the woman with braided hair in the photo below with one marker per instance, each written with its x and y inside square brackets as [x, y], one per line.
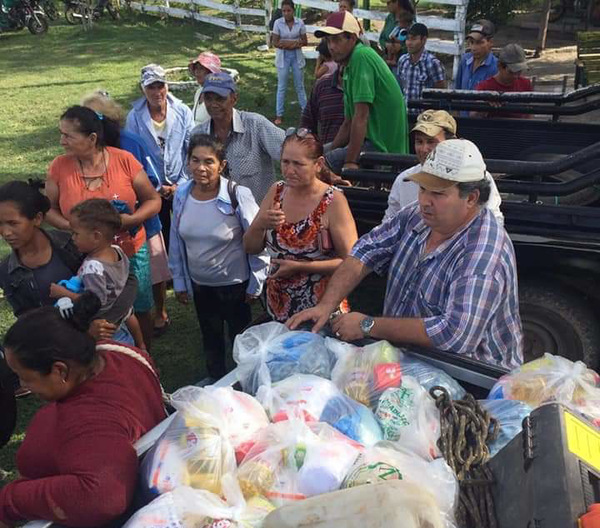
[78, 464]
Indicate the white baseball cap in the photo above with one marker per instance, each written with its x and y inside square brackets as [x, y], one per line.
[451, 162]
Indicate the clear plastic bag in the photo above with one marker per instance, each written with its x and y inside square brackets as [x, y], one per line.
[385, 462]
[199, 446]
[510, 415]
[553, 379]
[270, 352]
[293, 460]
[316, 399]
[185, 507]
[363, 373]
[409, 418]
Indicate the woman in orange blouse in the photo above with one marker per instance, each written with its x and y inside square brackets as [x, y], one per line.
[307, 227]
[91, 169]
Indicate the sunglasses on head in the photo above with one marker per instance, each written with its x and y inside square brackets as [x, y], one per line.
[302, 133]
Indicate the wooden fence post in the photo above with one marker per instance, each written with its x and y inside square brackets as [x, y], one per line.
[543, 32]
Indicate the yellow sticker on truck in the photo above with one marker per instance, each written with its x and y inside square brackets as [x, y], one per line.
[583, 440]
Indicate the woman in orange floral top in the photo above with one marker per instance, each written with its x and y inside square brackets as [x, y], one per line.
[306, 226]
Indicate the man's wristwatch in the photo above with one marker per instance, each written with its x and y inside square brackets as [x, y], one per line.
[366, 325]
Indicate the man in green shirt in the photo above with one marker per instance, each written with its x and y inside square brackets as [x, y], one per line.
[374, 107]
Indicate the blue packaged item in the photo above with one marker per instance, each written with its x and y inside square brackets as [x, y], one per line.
[123, 208]
[270, 352]
[352, 419]
[429, 376]
[510, 415]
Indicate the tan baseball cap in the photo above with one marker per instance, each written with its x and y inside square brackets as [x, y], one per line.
[451, 162]
[432, 122]
[339, 22]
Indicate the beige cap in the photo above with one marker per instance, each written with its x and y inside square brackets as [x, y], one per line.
[432, 122]
[451, 162]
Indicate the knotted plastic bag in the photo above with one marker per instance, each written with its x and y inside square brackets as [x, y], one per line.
[199, 445]
[293, 460]
[409, 418]
[185, 507]
[270, 352]
[316, 399]
[385, 462]
[553, 379]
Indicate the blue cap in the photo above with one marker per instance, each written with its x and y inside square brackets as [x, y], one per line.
[220, 83]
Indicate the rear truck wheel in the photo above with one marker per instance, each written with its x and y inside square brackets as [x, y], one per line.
[37, 24]
[558, 320]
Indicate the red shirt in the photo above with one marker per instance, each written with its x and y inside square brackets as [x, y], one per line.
[77, 463]
[520, 84]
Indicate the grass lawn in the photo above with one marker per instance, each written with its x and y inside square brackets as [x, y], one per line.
[42, 76]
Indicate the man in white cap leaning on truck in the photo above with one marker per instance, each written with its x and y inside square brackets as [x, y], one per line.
[452, 278]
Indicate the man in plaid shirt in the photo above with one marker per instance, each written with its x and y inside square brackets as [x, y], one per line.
[452, 277]
[419, 68]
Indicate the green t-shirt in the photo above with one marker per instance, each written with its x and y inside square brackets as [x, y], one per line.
[368, 79]
[388, 27]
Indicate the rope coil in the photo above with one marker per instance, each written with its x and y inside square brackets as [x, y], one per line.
[466, 430]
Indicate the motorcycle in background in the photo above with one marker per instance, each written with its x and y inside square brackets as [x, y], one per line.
[78, 11]
[19, 14]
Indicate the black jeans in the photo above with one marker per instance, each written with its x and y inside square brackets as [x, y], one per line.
[216, 305]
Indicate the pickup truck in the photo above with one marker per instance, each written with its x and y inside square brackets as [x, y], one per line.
[548, 173]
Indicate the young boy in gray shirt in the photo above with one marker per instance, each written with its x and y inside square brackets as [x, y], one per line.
[105, 270]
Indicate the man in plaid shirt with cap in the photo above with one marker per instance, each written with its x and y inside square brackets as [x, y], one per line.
[450, 265]
[419, 69]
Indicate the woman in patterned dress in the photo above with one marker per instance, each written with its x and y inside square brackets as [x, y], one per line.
[307, 227]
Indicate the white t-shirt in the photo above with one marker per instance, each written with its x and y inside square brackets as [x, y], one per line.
[199, 109]
[213, 243]
[404, 193]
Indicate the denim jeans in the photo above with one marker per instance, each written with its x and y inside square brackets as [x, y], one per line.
[290, 63]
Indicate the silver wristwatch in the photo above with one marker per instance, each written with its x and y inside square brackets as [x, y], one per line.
[366, 325]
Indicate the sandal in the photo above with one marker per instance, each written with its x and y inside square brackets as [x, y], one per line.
[160, 330]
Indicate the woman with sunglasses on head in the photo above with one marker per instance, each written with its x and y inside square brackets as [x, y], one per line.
[78, 464]
[305, 224]
[206, 253]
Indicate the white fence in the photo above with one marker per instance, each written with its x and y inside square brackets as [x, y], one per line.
[454, 27]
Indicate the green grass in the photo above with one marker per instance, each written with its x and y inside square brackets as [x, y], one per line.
[42, 76]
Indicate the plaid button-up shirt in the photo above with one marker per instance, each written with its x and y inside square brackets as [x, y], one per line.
[254, 143]
[465, 291]
[415, 76]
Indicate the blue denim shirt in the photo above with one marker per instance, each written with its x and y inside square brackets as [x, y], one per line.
[172, 167]
[246, 211]
[135, 145]
[467, 79]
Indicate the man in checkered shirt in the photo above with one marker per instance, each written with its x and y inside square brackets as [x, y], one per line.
[452, 277]
[419, 68]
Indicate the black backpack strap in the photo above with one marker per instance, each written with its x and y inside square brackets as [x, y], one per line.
[231, 189]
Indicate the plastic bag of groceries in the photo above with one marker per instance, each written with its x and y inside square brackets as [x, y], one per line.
[200, 444]
[185, 507]
[363, 373]
[293, 460]
[552, 379]
[270, 352]
[510, 415]
[316, 399]
[385, 462]
[409, 417]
